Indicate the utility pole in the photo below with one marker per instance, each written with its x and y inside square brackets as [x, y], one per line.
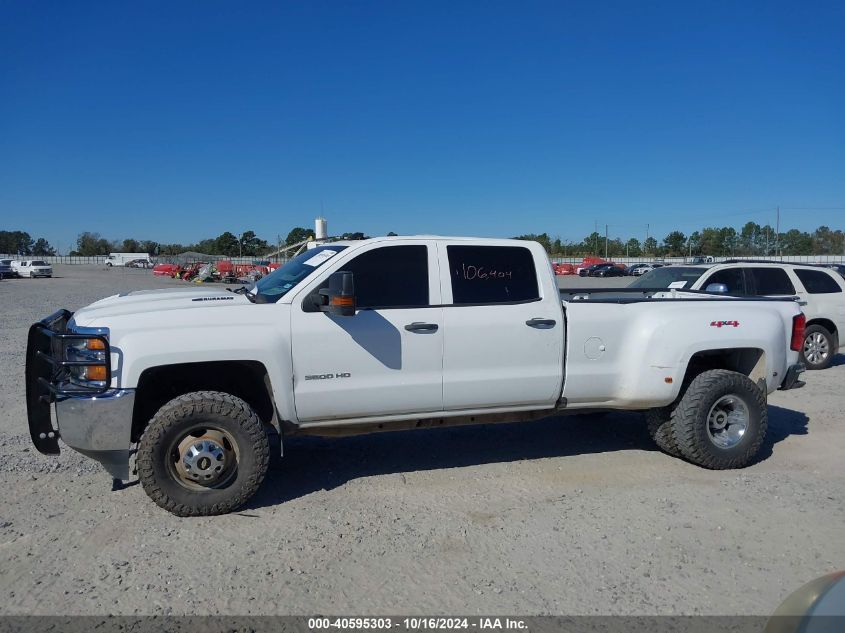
[646, 236]
[777, 233]
[605, 241]
[596, 238]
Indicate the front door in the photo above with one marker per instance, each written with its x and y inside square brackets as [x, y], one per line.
[385, 360]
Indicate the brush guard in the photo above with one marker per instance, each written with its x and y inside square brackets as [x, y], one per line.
[48, 376]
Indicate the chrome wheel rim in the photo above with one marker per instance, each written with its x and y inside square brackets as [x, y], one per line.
[204, 458]
[727, 421]
[816, 348]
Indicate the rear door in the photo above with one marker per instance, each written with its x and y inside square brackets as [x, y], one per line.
[503, 343]
[769, 281]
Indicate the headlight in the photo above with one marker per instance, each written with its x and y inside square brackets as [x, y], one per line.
[89, 349]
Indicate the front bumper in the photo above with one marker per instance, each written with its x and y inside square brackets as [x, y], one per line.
[100, 428]
[790, 381]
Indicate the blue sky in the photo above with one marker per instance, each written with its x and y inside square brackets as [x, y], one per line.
[177, 121]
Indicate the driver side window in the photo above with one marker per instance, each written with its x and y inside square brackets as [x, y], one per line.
[390, 277]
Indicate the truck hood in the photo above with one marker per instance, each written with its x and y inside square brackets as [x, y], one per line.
[145, 301]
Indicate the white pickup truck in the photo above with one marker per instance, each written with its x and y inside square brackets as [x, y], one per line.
[393, 333]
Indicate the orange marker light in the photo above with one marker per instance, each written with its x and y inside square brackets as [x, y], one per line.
[343, 301]
[96, 372]
[95, 344]
[668, 380]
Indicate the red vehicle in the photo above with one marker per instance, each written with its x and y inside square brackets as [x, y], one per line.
[166, 270]
[564, 269]
[225, 267]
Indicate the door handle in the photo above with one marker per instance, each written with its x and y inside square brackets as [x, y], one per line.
[541, 323]
[418, 326]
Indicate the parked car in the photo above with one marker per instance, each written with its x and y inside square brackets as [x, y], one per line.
[821, 290]
[645, 268]
[139, 263]
[608, 270]
[392, 333]
[6, 268]
[586, 271]
[32, 268]
[123, 259]
[629, 270]
[589, 260]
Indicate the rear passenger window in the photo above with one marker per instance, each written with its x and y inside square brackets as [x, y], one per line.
[492, 274]
[771, 281]
[817, 282]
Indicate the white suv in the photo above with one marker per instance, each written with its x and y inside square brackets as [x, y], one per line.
[820, 290]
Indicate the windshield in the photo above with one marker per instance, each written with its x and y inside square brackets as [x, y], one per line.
[278, 283]
[669, 277]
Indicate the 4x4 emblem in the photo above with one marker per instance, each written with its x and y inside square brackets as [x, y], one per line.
[724, 323]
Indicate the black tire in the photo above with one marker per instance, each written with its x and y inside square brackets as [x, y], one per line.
[690, 423]
[173, 424]
[659, 422]
[824, 342]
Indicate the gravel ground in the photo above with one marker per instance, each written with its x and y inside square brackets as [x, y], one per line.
[562, 516]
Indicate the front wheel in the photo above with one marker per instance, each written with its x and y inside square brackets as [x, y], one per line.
[203, 453]
[721, 420]
[818, 348]
[32, 275]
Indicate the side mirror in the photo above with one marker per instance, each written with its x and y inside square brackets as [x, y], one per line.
[718, 288]
[340, 294]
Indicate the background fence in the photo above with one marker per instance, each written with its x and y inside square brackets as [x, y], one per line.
[795, 259]
[101, 259]
[175, 259]
[58, 259]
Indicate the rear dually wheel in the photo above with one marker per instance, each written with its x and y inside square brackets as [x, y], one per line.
[721, 420]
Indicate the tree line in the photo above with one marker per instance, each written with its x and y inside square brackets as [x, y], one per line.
[22, 243]
[90, 244]
[752, 239]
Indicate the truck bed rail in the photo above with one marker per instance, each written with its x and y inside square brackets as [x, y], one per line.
[637, 295]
